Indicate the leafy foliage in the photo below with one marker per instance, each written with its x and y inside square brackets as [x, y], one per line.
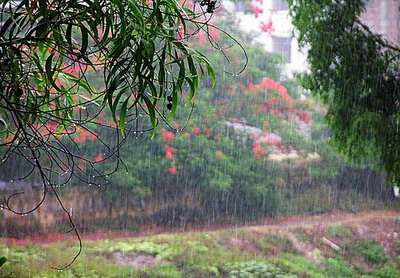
[355, 73]
[50, 52]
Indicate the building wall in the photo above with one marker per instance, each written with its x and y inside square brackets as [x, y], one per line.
[383, 17]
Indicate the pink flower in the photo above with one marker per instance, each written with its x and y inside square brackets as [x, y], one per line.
[257, 10]
[267, 27]
[187, 135]
[169, 135]
[173, 170]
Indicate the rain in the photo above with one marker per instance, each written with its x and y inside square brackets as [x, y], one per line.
[242, 177]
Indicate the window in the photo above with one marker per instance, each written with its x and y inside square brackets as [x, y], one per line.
[283, 45]
[280, 5]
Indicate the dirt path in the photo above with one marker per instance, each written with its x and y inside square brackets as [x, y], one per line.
[279, 223]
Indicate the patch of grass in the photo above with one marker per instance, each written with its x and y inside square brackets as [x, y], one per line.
[338, 231]
[371, 251]
[275, 242]
[146, 247]
[254, 269]
[338, 267]
[303, 237]
[159, 271]
[298, 265]
[387, 271]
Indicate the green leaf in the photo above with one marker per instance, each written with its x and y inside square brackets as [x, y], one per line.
[2, 261]
[122, 116]
[152, 113]
[50, 71]
[137, 12]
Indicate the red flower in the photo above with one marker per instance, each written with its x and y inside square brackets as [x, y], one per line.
[207, 133]
[173, 170]
[98, 158]
[93, 137]
[196, 131]
[303, 116]
[169, 155]
[258, 151]
[266, 124]
[187, 135]
[220, 154]
[169, 135]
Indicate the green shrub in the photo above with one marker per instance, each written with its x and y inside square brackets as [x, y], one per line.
[298, 265]
[371, 251]
[146, 247]
[387, 271]
[253, 269]
[338, 231]
[337, 267]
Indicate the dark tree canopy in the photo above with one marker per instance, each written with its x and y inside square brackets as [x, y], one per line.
[356, 74]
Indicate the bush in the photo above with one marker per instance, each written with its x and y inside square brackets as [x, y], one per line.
[387, 271]
[253, 269]
[371, 251]
[337, 267]
[338, 231]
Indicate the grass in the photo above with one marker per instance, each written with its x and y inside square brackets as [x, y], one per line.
[231, 253]
[338, 231]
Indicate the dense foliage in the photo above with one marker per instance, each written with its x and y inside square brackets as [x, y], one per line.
[254, 146]
[356, 74]
[51, 51]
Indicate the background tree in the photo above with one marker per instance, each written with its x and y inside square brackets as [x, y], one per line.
[356, 74]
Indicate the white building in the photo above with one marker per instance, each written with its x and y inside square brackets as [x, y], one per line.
[271, 25]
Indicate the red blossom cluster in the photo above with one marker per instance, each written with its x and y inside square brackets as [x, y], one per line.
[303, 116]
[168, 135]
[283, 103]
[169, 152]
[173, 170]
[258, 151]
[98, 158]
[82, 136]
[196, 131]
